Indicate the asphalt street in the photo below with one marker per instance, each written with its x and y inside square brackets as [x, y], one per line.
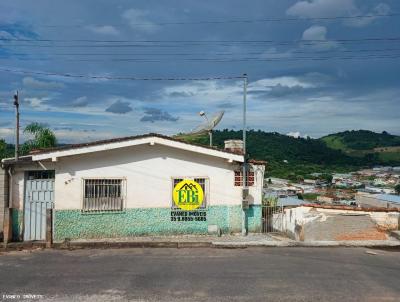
[158, 274]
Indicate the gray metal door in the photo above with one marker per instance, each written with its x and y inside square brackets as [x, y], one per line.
[39, 196]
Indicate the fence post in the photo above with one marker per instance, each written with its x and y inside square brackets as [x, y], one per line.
[49, 228]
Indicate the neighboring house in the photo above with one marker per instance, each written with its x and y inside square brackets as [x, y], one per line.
[377, 200]
[123, 187]
[327, 199]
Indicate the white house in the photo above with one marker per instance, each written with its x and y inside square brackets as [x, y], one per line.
[123, 187]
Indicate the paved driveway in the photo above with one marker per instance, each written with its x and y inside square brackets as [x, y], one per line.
[253, 274]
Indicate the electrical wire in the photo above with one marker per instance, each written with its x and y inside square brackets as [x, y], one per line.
[130, 78]
[219, 60]
[233, 21]
[373, 39]
[216, 54]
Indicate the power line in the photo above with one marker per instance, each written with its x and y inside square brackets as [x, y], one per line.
[222, 60]
[261, 20]
[163, 54]
[130, 78]
[373, 39]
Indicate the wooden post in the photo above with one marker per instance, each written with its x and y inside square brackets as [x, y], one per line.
[49, 228]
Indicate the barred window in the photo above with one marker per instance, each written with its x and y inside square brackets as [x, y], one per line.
[103, 195]
[203, 182]
[239, 178]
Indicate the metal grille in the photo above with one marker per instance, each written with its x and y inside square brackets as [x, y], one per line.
[239, 178]
[103, 195]
[203, 182]
[272, 218]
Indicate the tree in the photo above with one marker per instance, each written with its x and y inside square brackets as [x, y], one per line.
[327, 177]
[397, 189]
[43, 137]
[5, 150]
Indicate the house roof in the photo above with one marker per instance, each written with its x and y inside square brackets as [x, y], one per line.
[115, 143]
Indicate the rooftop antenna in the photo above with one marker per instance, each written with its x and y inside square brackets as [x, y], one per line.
[209, 124]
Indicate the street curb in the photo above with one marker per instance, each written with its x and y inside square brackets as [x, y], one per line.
[191, 244]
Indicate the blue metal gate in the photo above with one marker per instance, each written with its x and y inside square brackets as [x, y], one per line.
[39, 196]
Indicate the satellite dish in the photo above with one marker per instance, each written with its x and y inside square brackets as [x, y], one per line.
[209, 125]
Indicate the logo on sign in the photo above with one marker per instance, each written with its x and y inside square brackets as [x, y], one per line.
[188, 195]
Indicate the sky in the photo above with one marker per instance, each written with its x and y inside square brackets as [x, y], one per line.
[314, 66]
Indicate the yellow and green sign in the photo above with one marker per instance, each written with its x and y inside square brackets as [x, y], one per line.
[188, 195]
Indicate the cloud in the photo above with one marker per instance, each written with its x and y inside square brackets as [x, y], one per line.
[297, 134]
[281, 90]
[318, 33]
[289, 81]
[336, 8]
[153, 114]
[103, 30]
[6, 35]
[119, 107]
[37, 84]
[35, 102]
[379, 9]
[273, 53]
[181, 94]
[226, 105]
[80, 102]
[322, 8]
[32, 83]
[137, 19]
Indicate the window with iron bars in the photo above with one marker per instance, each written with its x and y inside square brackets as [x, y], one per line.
[239, 178]
[102, 195]
[203, 182]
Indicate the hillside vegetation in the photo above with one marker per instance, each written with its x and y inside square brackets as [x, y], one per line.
[360, 140]
[383, 146]
[296, 158]
[287, 157]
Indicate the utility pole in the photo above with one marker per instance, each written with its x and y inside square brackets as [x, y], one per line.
[16, 104]
[244, 178]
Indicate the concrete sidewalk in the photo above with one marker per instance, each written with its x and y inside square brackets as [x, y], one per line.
[184, 241]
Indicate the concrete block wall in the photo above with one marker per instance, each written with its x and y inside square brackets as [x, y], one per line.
[320, 224]
[3, 198]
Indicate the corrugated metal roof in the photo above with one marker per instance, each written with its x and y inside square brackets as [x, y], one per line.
[290, 201]
[388, 197]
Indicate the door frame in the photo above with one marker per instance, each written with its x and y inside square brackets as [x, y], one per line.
[25, 199]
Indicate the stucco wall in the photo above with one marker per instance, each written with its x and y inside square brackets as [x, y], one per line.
[310, 224]
[148, 171]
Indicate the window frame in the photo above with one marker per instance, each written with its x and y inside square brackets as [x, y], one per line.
[206, 191]
[123, 195]
[239, 183]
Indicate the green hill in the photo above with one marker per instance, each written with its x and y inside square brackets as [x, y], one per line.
[293, 158]
[361, 143]
[360, 140]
